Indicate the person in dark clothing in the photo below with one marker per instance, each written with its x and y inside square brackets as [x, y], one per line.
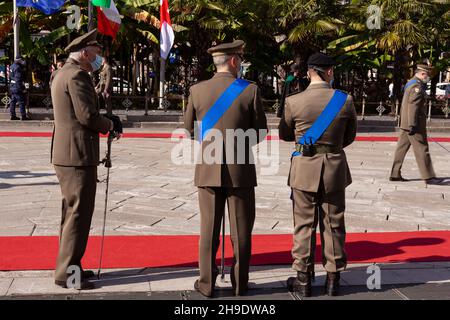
[17, 89]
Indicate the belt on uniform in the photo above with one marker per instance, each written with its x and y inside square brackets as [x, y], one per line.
[319, 148]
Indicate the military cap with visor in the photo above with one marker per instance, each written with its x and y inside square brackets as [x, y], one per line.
[424, 67]
[320, 60]
[86, 40]
[235, 47]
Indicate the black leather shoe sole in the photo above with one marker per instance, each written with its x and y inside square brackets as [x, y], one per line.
[85, 285]
[401, 179]
[434, 181]
[87, 274]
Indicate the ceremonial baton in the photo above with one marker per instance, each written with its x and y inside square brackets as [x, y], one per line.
[108, 165]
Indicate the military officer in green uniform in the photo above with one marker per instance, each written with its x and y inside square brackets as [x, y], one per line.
[231, 182]
[104, 87]
[413, 128]
[75, 151]
[318, 176]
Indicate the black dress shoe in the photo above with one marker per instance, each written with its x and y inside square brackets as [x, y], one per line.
[398, 179]
[197, 288]
[15, 118]
[301, 284]
[84, 285]
[87, 274]
[434, 180]
[25, 118]
[332, 283]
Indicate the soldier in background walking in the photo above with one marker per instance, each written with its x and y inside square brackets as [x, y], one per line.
[413, 128]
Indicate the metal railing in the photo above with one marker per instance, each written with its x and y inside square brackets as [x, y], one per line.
[442, 105]
[179, 102]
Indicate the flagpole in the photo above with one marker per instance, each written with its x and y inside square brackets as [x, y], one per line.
[16, 22]
[90, 9]
[162, 78]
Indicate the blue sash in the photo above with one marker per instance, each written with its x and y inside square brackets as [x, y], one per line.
[324, 120]
[222, 104]
[410, 83]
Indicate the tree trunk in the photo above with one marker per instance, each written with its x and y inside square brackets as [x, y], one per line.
[204, 60]
[400, 72]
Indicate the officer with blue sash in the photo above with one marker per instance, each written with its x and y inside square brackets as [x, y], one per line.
[322, 121]
[413, 128]
[221, 105]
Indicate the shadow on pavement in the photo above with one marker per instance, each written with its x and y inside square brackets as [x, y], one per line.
[8, 185]
[23, 174]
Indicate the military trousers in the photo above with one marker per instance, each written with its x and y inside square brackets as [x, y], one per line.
[106, 103]
[78, 188]
[326, 210]
[241, 210]
[421, 150]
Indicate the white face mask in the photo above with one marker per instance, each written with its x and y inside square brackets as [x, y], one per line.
[97, 63]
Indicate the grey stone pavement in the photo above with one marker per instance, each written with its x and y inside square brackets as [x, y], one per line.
[150, 195]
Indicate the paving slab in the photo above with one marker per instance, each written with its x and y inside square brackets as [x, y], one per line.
[4, 286]
[439, 291]
[37, 286]
[146, 186]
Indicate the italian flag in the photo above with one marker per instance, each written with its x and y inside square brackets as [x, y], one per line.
[108, 17]
[167, 36]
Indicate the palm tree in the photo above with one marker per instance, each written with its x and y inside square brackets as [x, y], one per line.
[410, 28]
[310, 24]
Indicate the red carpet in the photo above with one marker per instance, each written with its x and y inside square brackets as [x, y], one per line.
[167, 135]
[39, 253]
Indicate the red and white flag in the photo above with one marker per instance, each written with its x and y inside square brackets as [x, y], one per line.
[108, 18]
[167, 36]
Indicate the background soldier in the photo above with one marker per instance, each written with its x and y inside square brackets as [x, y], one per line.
[318, 179]
[17, 89]
[75, 150]
[231, 183]
[288, 88]
[413, 127]
[104, 87]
